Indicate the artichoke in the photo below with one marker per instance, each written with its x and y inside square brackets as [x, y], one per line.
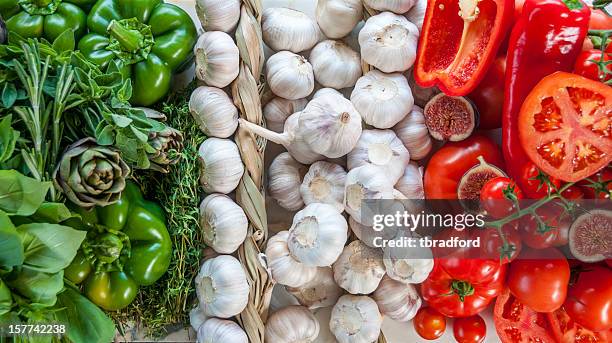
[91, 175]
[168, 144]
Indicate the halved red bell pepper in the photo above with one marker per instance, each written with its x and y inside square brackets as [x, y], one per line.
[459, 41]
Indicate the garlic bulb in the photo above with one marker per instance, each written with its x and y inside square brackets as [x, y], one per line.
[220, 164]
[382, 99]
[413, 132]
[292, 324]
[223, 223]
[389, 42]
[408, 265]
[286, 270]
[397, 300]
[216, 330]
[367, 182]
[217, 59]
[368, 235]
[381, 148]
[278, 110]
[411, 183]
[288, 29]
[285, 176]
[335, 65]
[218, 15]
[355, 319]
[196, 317]
[214, 112]
[324, 183]
[321, 291]
[395, 6]
[326, 90]
[222, 287]
[337, 18]
[289, 76]
[359, 268]
[416, 15]
[317, 235]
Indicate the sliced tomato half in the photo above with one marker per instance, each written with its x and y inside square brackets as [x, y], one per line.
[568, 331]
[565, 126]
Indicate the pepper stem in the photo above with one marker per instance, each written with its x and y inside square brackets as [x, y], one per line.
[130, 40]
[42, 3]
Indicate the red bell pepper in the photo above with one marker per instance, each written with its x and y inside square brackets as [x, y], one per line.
[459, 41]
[547, 38]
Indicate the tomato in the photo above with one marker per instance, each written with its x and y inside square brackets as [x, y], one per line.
[494, 201]
[585, 65]
[539, 278]
[489, 95]
[599, 20]
[573, 193]
[589, 298]
[493, 247]
[469, 329]
[564, 126]
[517, 323]
[603, 191]
[539, 237]
[566, 330]
[532, 187]
[429, 323]
[447, 165]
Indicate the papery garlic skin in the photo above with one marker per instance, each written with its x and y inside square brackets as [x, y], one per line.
[224, 224]
[337, 18]
[416, 15]
[411, 183]
[285, 177]
[278, 110]
[288, 29]
[367, 182]
[218, 15]
[368, 236]
[286, 270]
[217, 59]
[196, 317]
[389, 42]
[355, 319]
[395, 6]
[216, 330]
[292, 324]
[326, 90]
[220, 164]
[335, 65]
[222, 287]
[382, 99]
[321, 291]
[289, 76]
[413, 132]
[381, 148]
[317, 235]
[397, 300]
[324, 183]
[359, 268]
[214, 112]
[411, 266]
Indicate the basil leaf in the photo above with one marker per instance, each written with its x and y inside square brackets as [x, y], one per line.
[52, 212]
[8, 138]
[6, 299]
[85, 322]
[64, 42]
[21, 195]
[11, 249]
[9, 95]
[40, 288]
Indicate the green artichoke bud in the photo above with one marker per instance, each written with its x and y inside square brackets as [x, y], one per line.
[168, 144]
[90, 175]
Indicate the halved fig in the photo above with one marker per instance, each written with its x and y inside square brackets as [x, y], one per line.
[472, 181]
[590, 236]
[449, 118]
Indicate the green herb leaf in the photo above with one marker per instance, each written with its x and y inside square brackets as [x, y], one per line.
[121, 121]
[64, 42]
[8, 138]
[86, 322]
[11, 249]
[52, 212]
[6, 299]
[9, 95]
[105, 136]
[40, 288]
[21, 195]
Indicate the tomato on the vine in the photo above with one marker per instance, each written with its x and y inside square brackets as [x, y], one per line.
[601, 191]
[493, 245]
[553, 232]
[586, 66]
[589, 298]
[573, 193]
[532, 187]
[429, 323]
[599, 20]
[566, 330]
[489, 95]
[469, 329]
[494, 196]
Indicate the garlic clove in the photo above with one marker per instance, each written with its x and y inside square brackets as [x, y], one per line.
[335, 65]
[317, 235]
[222, 287]
[285, 268]
[413, 132]
[382, 99]
[214, 112]
[289, 29]
[321, 291]
[367, 182]
[220, 164]
[395, 6]
[324, 183]
[368, 235]
[359, 268]
[216, 330]
[218, 15]
[289, 76]
[411, 266]
[217, 59]
[389, 42]
[278, 110]
[355, 319]
[397, 300]
[223, 223]
[381, 148]
[411, 183]
[291, 324]
[416, 15]
[337, 18]
[285, 177]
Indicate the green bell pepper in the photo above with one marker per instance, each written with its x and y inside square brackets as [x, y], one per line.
[45, 18]
[148, 39]
[127, 246]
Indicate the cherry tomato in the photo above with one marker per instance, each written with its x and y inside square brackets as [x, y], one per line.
[539, 278]
[429, 323]
[567, 330]
[599, 20]
[493, 246]
[540, 237]
[489, 95]
[573, 193]
[469, 329]
[585, 65]
[493, 199]
[589, 298]
[532, 188]
[605, 178]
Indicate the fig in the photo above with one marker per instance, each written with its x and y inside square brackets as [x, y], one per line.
[473, 180]
[590, 236]
[449, 118]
